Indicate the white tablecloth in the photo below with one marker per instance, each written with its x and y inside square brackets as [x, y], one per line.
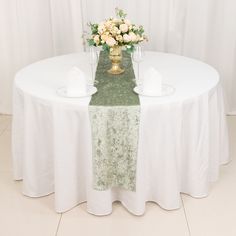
[183, 138]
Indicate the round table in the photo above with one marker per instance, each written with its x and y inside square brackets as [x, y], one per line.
[183, 138]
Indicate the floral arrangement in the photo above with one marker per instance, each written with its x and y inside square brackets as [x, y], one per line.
[117, 31]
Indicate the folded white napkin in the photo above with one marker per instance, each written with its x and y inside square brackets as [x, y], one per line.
[152, 82]
[76, 82]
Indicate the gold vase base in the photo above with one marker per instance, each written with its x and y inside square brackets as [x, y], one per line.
[115, 70]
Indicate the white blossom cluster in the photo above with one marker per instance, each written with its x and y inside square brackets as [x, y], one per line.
[116, 32]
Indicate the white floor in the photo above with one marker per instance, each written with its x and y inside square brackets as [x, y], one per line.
[23, 216]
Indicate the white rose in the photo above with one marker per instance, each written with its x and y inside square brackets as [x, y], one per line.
[119, 38]
[127, 22]
[133, 37]
[141, 39]
[111, 42]
[108, 24]
[101, 28]
[114, 30]
[124, 28]
[116, 21]
[104, 37]
[126, 38]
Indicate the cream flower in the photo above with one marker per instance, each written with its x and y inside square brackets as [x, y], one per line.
[126, 38]
[124, 28]
[96, 39]
[114, 30]
[108, 24]
[116, 21]
[119, 38]
[138, 37]
[133, 37]
[141, 39]
[101, 28]
[104, 37]
[127, 22]
[111, 42]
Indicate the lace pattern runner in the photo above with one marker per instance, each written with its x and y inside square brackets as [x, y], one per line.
[114, 114]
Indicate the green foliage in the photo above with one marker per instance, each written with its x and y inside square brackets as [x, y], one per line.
[105, 47]
[141, 30]
[94, 28]
[120, 13]
[130, 48]
[91, 42]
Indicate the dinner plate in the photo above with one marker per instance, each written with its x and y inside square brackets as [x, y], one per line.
[166, 91]
[62, 92]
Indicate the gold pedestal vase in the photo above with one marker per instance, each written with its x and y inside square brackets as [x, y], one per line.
[116, 58]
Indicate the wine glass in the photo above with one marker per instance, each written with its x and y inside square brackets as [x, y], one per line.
[138, 56]
[93, 60]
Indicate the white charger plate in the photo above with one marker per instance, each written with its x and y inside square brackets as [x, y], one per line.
[167, 90]
[62, 92]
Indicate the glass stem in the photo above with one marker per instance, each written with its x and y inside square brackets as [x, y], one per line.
[138, 74]
[92, 72]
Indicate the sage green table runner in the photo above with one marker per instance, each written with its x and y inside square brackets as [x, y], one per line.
[114, 114]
